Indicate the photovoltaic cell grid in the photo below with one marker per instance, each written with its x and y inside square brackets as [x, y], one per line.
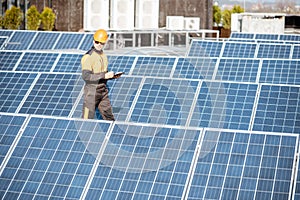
[20, 40]
[242, 35]
[121, 63]
[290, 37]
[154, 66]
[9, 129]
[37, 62]
[280, 72]
[9, 59]
[69, 41]
[278, 109]
[240, 50]
[53, 158]
[2, 41]
[224, 105]
[195, 68]
[44, 40]
[244, 166]
[69, 63]
[87, 42]
[274, 51]
[264, 37]
[202, 48]
[144, 162]
[296, 194]
[53, 94]
[164, 101]
[14, 87]
[240, 70]
[296, 52]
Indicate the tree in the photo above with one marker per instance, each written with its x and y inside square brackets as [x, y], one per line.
[13, 18]
[217, 14]
[48, 19]
[33, 18]
[226, 14]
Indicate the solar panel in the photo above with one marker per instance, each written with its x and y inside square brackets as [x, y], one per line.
[296, 192]
[87, 42]
[290, 37]
[20, 40]
[53, 158]
[195, 68]
[7, 33]
[121, 63]
[224, 105]
[280, 71]
[69, 41]
[44, 40]
[53, 94]
[2, 42]
[274, 51]
[240, 50]
[9, 59]
[14, 87]
[68, 63]
[260, 36]
[37, 62]
[144, 162]
[202, 48]
[154, 66]
[242, 35]
[278, 109]
[237, 69]
[296, 52]
[9, 128]
[164, 101]
[242, 165]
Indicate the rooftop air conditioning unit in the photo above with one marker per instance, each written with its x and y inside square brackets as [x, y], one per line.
[147, 13]
[175, 22]
[122, 15]
[96, 14]
[191, 23]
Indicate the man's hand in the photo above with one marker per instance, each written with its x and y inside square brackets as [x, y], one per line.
[109, 75]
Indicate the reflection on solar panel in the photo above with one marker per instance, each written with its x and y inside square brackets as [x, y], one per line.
[37, 62]
[240, 50]
[9, 59]
[280, 72]
[241, 70]
[154, 66]
[14, 87]
[164, 101]
[195, 68]
[53, 157]
[202, 48]
[274, 51]
[9, 129]
[144, 162]
[224, 105]
[244, 166]
[53, 94]
[44, 40]
[69, 41]
[278, 109]
[20, 40]
[68, 63]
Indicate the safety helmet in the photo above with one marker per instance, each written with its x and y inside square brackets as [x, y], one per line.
[100, 36]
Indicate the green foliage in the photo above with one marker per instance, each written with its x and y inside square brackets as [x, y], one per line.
[33, 18]
[226, 15]
[13, 18]
[48, 19]
[217, 14]
[1, 21]
[237, 9]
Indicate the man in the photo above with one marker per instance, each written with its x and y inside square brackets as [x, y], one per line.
[95, 74]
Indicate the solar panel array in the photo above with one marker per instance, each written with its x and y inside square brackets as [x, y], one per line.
[221, 123]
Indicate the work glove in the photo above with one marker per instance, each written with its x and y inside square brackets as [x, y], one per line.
[109, 75]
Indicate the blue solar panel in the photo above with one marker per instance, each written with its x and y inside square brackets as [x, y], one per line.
[44, 40]
[87, 42]
[53, 94]
[154, 66]
[240, 70]
[278, 109]
[202, 48]
[237, 165]
[224, 105]
[69, 41]
[9, 129]
[37, 62]
[195, 68]
[274, 51]
[68, 63]
[9, 59]
[296, 192]
[3, 42]
[242, 35]
[296, 52]
[14, 87]
[280, 72]
[290, 37]
[164, 101]
[20, 40]
[7, 33]
[121, 63]
[264, 37]
[240, 50]
[53, 158]
[144, 162]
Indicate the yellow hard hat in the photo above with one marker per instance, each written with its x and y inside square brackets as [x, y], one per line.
[100, 36]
